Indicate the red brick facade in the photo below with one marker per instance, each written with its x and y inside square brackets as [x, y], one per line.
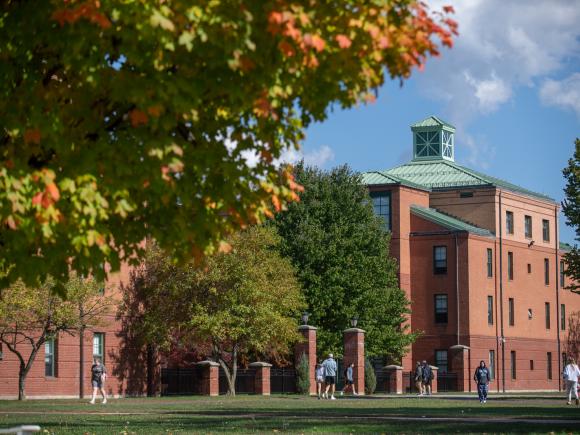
[527, 355]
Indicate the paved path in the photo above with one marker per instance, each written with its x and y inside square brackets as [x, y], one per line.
[466, 419]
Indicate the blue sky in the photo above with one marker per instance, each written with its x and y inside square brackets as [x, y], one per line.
[511, 86]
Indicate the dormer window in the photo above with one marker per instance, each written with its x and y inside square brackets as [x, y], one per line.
[433, 140]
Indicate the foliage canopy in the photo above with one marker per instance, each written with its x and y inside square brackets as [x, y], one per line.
[571, 208]
[340, 250]
[127, 120]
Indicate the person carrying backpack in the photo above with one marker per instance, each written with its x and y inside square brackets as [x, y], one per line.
[482, 378]
[427, 374]
[349, 380]
[419, 378]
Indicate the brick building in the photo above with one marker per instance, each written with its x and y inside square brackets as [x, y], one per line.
[480, 260]
[57, 370]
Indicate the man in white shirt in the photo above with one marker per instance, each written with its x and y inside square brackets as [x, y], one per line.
[571, 373]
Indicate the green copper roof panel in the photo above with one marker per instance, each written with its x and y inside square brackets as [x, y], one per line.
[448, 221]
[445, 174]
[381, 177]
[432, 121]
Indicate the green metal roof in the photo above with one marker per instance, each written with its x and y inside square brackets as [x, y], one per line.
[443, 174]
[448, 221]
[432, 121]
[381, 177]
[565, 246]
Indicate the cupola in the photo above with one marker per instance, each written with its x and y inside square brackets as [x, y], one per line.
[433, 139]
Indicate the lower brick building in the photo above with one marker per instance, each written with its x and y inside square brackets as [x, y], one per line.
[481, 262]
[62, 368]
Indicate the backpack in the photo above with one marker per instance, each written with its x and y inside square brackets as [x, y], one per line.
[427, 373]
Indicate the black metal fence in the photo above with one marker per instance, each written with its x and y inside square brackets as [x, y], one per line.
[244, 381]
[446, 382]
[180, 381]
[282, 380]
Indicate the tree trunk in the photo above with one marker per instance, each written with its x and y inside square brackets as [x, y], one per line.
[22, 372]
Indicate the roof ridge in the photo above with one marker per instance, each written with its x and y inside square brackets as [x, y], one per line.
[455, 217]
[468, 171]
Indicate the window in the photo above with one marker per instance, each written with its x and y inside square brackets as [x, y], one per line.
[489, 262]
[492, 364]
[439, 260]
[99, 346]
[529, 268]
[546, 230]
[531, 364]
[490, 310]
[513, 363]
[49, 358]
[466, 194]
[528, 226]
[547, 305]
[1, 352]
[382, 206]
[509, 222]
[440, 308]
[511, 311]
[546, 271]
[562, 317]
[562, 282]
[549, 364]
[441, 360]
[530, 314]
[510, 266]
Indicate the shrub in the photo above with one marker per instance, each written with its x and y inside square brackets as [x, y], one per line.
[370, 378]
[303, 375]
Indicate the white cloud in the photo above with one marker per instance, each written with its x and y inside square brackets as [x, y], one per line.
[317, 157]
[504, 45]
[564, 93]
[490, 93]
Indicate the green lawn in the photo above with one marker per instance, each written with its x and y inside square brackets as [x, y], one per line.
[296, 414]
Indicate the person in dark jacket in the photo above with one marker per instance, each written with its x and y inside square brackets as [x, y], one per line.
[419, 378]
[482, 378]
[427, 374]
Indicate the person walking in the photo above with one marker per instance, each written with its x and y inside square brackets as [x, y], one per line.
[570, 374]
[482, 378]
[329, 366]
[419, 378]
[427, 375]
[349, 380]
[319, 377]
[98, 377]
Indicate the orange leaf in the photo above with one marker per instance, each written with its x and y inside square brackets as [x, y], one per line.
[314, 41]
[343, 41]
[286, 49]
[276, 202]
[37, 199]
[225, 247]
[155, 110]
[53, 191]
[138, 117]
[11, 222]
[448, 9]
[32, 136]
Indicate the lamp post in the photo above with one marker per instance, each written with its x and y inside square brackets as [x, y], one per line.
[353, 321]
[304, 317]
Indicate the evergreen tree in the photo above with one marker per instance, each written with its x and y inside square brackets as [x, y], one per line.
[340, 250]
[370, 378]
[571, 208]
[303, 375]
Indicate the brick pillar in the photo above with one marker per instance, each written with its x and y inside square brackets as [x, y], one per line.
[395, 382]
[261, 378]
[434, 370]
[354, 352]
[307, 347]
[209, 385]
[461, 365]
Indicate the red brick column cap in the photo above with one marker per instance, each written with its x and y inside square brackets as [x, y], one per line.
[207, 363]
[393, 367]
[307, 327]
[459, 347]
[354, 330]
[260, 364]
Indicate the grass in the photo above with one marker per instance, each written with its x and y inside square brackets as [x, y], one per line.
[296, 414]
